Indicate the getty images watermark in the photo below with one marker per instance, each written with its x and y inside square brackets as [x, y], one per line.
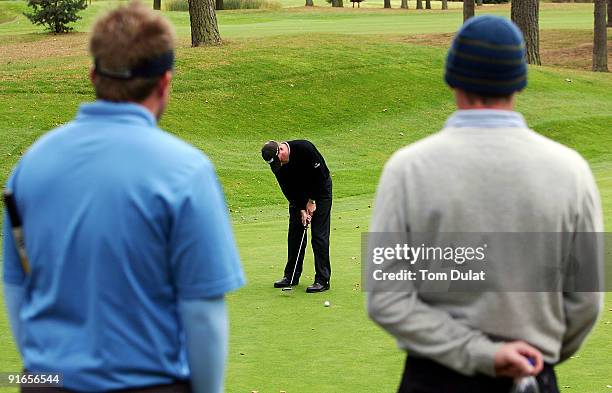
[466, 262]
[422, 254]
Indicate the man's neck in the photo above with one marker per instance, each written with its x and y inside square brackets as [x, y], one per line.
[506, 106]
[465, 101]
[151, 106]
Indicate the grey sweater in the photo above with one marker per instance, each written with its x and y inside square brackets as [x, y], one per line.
[486, 172]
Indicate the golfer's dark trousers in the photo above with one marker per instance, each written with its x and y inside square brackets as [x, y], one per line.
[320, 241]
[427, 376]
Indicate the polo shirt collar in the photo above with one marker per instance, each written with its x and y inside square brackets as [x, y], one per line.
[125, 112]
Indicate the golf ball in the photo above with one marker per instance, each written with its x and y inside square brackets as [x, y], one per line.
[327, 303]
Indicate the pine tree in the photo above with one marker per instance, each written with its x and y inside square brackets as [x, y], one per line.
[55, 14]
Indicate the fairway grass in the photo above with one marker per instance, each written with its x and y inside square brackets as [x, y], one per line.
[359, 99]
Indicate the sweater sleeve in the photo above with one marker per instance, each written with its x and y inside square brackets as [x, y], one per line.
[417, 326]
[582, 308]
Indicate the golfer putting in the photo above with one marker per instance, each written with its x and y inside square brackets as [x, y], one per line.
[304, 179]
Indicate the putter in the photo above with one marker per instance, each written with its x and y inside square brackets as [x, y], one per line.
[289, 288]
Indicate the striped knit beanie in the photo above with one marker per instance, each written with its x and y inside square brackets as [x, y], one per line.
[487, 56]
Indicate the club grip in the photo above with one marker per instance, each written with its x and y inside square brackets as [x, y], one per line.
[11, 207]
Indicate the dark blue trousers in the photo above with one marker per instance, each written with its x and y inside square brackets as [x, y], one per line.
[426, 376]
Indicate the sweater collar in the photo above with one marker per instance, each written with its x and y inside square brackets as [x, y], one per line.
[486, 118]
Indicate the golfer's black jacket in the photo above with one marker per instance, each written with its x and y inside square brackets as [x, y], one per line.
[305, 176]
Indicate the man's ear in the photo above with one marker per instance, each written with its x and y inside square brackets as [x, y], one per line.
[92, 74]
[163, 86]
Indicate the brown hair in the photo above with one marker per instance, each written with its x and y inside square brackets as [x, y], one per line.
[123, 39]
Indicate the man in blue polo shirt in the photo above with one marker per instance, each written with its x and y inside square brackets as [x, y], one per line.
[126, 229]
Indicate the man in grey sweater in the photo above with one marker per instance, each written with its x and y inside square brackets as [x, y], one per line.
[486, 171]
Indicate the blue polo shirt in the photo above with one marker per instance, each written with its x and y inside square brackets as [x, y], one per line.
[121, 221]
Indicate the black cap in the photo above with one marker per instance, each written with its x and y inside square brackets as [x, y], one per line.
[269, 152]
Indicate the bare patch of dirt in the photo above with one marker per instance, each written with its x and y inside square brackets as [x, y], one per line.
[558, 48]
[438, 40]
[570, 48]
[56, 46]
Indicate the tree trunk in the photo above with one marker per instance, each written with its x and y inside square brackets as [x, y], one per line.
[57, 26]
[157, 4]
[428, 4]
[419, 5]
[340, 3]
[468, 9]
[609, 13]
[600, 38]
[309, 3]
[444, 4]
[204, 29]
[525, 13]
[219, 4]
[405, 4]
[387, 3]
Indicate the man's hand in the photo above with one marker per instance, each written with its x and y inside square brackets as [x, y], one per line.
[311, 207]
[305, 217]
[513, 360]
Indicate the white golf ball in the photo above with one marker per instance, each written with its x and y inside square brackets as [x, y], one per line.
[327, 303]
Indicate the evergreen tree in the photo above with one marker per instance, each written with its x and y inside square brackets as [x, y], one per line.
[55, 14]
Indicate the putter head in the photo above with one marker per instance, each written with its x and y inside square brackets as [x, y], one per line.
[287, 289]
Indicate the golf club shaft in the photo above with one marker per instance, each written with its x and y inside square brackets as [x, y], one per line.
[298, 255]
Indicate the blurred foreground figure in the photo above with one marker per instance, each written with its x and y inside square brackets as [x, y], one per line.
[486, 172]
[126, 229]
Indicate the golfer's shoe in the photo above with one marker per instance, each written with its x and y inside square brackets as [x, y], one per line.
[317, 287]
[284, 283]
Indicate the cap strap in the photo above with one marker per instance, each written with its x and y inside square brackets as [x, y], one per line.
[148, 69]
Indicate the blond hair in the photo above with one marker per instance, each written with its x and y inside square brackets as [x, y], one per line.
[123, 39]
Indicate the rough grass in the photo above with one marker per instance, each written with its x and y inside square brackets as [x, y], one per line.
[175, 5]
[343, 92]
[183, 5]
[6, 16]
[251, 5]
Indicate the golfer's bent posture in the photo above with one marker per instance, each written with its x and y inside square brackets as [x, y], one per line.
[127, 233]
[306, 183]
[486, 171]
